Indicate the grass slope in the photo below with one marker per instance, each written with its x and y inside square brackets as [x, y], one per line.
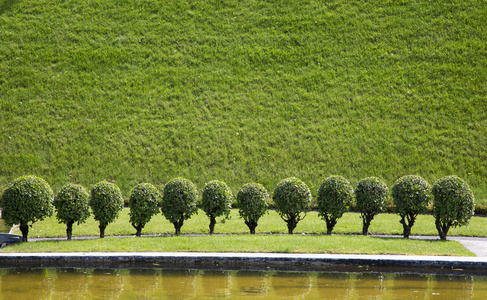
[134, 91]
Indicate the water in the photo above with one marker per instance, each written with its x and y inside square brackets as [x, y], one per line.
[203, 284]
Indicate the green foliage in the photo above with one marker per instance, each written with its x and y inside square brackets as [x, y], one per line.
[293, 199]
[411, 196]
[334, 196]
[370, 195]
[106, 202]
[216, 201]
[179, 201]
[453, 203]
[72, 205]
[481, 210]
[27, 199]
[143, 204]
[252, 203]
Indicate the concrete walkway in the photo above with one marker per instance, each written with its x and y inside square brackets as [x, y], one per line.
[476, 245]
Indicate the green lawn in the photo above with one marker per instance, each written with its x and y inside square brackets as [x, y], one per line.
[350, 223]
[258, 90]
[251, 243]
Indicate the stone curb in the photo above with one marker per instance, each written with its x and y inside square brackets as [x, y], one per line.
[251, 261]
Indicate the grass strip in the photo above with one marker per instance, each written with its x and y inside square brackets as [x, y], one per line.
[350, 223]
[335, 244]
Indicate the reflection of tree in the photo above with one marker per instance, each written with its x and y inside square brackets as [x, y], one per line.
[216, 284]
[370, 284]
[291, 285]
[251, 284]
[143, 282]
[334, 285]
[179, 284]
[451, 287]
[29, 284]
[105, 284]
[407, 286]
[69, 283]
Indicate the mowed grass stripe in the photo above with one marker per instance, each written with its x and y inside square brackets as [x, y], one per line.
[251, 243]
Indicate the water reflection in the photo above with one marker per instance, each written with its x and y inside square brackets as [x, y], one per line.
[291, 285]
[179, 284]
[105, 284]
[199, 284]
[252, 284]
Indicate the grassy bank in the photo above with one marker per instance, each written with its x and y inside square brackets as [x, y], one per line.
[246, 243]
[134, 91]
[270, 223]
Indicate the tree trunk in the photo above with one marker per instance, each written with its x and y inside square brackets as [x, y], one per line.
[442, 229]
[407, 224]
[365, 228]
[330, 224]
[138, 229]
[102, 230]
[291, 224]
[24, 228]
[251, 224]
[177, 226]
[366, 220]
[69, 230]
[212, 224]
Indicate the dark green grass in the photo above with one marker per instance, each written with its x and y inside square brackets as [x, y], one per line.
[248, 243]
[134, 91]
[270, 223]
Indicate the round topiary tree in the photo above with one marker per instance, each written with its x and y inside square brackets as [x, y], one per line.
[411, 196]
[143, 204]
[216, 201]
[252, 204]
[179, 202]
[334, 196]
[106, 202]
[71, 203]
[293, 200]
[370, 194]
[27, 199]
[453, 204]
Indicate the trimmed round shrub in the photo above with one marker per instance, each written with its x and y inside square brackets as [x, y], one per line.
[27, 199]
[179, 202]
[143, 204]
[411, 196]
[334, 197]
[370, 194]
[216, 201]
[252, 204]
[71, 203]
[106, 202]
[293, 200]
[453, 204]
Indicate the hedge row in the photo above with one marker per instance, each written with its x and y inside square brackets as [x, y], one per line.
[29, 199]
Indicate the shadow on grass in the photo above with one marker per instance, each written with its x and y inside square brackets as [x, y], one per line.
[6, 5]
[391, 238]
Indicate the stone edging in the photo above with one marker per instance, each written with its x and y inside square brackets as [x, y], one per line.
[251, 261]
